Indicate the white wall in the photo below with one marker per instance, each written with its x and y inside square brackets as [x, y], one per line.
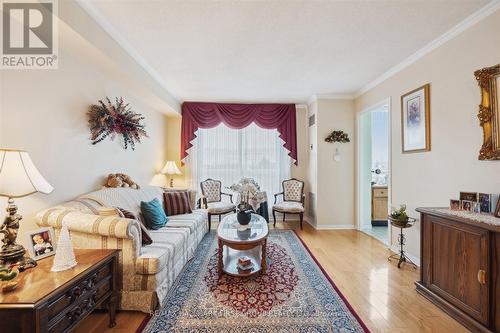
[433, 178]
[335, 180]
[44, 112]
[365, 167]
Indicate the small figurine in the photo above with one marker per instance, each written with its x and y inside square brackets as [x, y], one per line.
[7, 276]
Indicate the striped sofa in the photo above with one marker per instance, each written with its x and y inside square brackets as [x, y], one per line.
[147, 272]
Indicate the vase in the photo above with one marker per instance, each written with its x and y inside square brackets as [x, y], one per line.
[244, 217]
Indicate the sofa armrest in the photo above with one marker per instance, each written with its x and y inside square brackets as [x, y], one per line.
[111, 226]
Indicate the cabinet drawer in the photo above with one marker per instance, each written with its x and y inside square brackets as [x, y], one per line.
[85, 304]
[380, 193]
[79, 290]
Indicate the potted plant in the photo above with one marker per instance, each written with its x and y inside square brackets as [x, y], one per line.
[400, 218]
[248, 191]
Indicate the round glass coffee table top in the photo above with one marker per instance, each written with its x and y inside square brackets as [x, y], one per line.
[231, 231]
[242, 241]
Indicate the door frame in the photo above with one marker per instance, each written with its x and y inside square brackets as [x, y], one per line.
[385, 101]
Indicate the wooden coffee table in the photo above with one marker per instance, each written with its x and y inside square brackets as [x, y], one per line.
[239, 240]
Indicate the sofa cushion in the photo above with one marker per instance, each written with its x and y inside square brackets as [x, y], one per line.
[153, 214]
[176, 203]
[145, 237]
[192, 194]
[169, 246]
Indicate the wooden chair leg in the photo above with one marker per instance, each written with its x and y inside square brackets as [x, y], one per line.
[209, 222]
[274, 218]
[284, 217]
[301, 219]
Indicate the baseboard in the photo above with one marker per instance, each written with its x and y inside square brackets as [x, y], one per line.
[416, 260]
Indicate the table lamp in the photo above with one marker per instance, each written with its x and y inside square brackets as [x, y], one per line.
[18, 178]
[171, 168]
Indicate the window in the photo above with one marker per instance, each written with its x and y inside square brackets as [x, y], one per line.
[229, 154]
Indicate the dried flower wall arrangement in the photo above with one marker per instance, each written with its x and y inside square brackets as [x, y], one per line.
[338, 136]
[108, 119]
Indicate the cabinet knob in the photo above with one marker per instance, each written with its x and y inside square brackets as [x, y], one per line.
[481, 276]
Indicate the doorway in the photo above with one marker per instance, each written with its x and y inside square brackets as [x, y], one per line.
[374, 171]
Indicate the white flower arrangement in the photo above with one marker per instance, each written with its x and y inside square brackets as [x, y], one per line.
[249, 192]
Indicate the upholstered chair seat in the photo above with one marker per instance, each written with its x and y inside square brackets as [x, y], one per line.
[221, 207]
[293, 200]
[289, 207]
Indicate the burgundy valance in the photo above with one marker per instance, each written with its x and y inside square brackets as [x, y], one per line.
[208, 115]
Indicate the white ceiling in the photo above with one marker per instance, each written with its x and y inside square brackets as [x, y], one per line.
[277, 51]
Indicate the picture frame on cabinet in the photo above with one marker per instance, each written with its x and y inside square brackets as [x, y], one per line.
[468, 206]
[468, 196]
[484, 201]
[455, 204]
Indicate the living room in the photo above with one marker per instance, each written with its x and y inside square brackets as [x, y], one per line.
[224, 187]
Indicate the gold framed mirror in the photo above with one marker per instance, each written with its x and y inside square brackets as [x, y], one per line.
[489, 111]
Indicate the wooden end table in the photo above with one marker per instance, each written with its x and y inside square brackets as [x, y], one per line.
[239, 240]
[46, 301]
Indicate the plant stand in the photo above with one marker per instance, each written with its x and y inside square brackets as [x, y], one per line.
[401, 256]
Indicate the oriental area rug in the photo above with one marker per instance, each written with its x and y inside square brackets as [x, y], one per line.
[295, 295]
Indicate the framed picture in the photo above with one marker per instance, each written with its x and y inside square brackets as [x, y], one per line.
[468, 206]
[416, 120]
[494, 201]
[489, 111]
[41, 243]
[497, 209]
[469, 196]
[455, 204]
[485, 203]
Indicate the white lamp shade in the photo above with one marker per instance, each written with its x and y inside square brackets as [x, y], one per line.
[170, 168]
[18, 175]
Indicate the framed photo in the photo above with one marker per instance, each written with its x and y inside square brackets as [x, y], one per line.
[485, 203]
[41, 243]
[416, 120]
[455, 204]
[497, 209]
[468, 206]
[469, 196]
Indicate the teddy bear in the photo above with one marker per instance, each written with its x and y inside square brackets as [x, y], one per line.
[120, 180]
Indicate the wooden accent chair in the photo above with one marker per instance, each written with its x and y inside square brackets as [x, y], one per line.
[211, 191]
[293, 200]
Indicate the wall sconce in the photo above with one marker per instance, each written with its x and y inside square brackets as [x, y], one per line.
[336, 155]
[334, 137]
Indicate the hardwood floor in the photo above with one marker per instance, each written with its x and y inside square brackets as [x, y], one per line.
[383, 295]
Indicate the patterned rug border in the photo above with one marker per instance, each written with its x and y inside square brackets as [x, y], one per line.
[349, 306]
[147, 317]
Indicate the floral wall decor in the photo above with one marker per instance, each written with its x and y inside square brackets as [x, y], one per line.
[338, 136]
[108, 119]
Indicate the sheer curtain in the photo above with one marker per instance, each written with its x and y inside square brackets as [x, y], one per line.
[229, 154]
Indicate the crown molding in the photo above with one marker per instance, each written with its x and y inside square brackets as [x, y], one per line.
[468, 22]
[106, 26]
[335, 96]
[316, 97]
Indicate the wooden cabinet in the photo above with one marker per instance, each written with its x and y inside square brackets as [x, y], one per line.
[46, 301]
[460, 268]
[379, 205]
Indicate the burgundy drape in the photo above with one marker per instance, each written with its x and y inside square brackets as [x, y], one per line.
[270, 116]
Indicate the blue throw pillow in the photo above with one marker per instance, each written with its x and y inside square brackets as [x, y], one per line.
[154, 215]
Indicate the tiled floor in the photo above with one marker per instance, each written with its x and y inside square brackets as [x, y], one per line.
[380, 233]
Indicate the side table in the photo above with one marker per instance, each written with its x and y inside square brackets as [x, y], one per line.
[46, 301]
[401, 256]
